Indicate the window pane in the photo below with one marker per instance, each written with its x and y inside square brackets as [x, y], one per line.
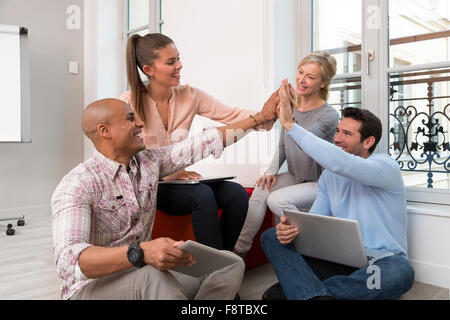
[138, 13]
[419, 126]
[345, 93]
[337, 29]
[419, 31]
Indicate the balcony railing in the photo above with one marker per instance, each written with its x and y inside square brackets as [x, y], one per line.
[345, 93]
[419, 121]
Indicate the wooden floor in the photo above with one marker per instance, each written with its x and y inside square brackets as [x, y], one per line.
[27, 269]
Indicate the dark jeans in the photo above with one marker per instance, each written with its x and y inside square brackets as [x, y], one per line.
[303, 277]
[203, 200]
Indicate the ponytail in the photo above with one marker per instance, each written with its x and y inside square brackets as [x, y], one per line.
[137, 88]
[142, 51]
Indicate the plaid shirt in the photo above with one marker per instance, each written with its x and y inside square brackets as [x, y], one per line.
[99, 203]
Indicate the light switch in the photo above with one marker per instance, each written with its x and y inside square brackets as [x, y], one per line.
[73, 67]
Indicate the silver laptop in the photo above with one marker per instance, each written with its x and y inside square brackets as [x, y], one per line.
[332, 239]
[197, 181]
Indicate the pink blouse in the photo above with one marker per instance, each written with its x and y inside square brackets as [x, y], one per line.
[185, 103]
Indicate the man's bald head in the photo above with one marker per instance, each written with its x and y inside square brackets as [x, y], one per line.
[99, 112]
[114, 130]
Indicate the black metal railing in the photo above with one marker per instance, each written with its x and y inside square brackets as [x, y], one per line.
[419, 119]
[419, 126]
[345, 93]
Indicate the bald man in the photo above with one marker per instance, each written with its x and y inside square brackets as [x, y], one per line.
[103, 212]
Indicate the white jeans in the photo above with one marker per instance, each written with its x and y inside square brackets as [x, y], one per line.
[285, 195]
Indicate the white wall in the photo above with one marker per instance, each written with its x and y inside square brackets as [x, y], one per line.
[29, 172]
[226, 48]
[429, 243]
[238, 51]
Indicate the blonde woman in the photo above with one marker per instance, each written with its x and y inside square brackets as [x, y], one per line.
[295, 189]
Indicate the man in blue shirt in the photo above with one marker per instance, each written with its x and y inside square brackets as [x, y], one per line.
[356, 184]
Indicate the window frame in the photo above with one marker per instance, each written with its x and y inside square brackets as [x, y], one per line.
[154, 23]
[377, 40]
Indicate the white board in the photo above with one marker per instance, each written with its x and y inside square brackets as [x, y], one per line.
[14, 91]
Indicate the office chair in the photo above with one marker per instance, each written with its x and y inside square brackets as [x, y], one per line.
[9, 230]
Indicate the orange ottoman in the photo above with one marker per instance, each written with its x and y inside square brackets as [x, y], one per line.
[180, 228]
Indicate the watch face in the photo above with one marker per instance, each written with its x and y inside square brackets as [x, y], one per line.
[134, 255]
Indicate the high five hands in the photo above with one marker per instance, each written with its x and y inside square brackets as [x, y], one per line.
[278, 104]
[269, 111]
[288, 101]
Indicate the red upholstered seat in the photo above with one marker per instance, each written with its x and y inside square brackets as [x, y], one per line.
[180, 228]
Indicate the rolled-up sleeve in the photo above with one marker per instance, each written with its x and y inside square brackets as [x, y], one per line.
[71, 219]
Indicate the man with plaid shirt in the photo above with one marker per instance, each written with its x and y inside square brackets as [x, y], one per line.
[107, 204]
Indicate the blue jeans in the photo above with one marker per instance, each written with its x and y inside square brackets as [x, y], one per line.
[203, 200]
[303, 277]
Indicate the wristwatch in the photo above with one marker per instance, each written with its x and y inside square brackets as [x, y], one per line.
[135, 254]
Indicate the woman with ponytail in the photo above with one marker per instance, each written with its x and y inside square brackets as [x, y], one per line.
[167, 110]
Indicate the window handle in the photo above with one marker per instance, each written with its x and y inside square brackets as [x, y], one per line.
[370, 57]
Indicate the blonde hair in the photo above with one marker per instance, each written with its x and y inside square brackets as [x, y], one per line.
[327, 65]
[142, 51]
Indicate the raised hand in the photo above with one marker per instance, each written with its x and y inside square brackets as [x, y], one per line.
[286, 105]
[269, 110]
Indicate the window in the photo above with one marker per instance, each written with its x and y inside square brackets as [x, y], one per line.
[412, 74]
[137, 21]
[342, 39]
[143, 16]
[419, 111]
[138, 16]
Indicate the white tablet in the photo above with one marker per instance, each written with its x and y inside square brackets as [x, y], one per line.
[207, 259]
